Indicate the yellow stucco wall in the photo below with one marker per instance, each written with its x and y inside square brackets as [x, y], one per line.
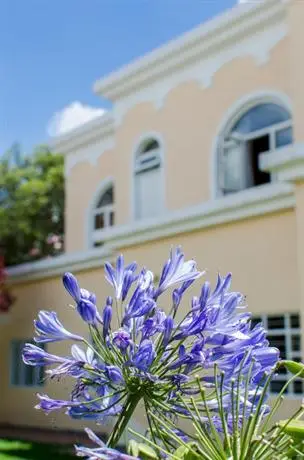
[188, 123]
[254, 250]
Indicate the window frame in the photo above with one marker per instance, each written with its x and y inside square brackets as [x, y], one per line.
[17, 361]
[143, 162]
[270, 131]
[95, 236]
[287, 332]
[234, 112]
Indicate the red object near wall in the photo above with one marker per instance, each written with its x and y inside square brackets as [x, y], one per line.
[6, 298]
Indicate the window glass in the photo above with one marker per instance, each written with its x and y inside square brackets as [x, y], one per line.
[261, 129]
[283, 137]
[104, 212]
[22, 374]
[261, 116]
[283, 333]
[148, 181]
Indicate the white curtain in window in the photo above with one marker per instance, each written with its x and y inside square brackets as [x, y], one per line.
[235, 168]
[148, 193]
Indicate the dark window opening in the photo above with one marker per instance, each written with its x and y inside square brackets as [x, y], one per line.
[277, 385]
[99, 221]
[98, 244]
[256, 147]
[150, 145]
[106, 198]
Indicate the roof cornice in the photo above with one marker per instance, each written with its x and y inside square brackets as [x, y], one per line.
[99, 128]
[204, 40]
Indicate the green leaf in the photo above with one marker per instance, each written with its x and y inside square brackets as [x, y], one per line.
[31, 187]
[294, 368]
[184, 452]
[146, 452]
[133, 448]
[181, 452]
[295, 428]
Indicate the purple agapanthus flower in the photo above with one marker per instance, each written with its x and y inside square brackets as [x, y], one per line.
[36, 356]
[120, 278]
[48, 404]
[176, 270]
[138, 350]
[49, 329]
[85, 301]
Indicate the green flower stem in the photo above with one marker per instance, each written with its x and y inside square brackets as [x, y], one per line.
[277, 434]
[123, 419]
[175, 437]
[156, 446]
[213, 429]
[219, 397]
[278, 402]
[254, 418]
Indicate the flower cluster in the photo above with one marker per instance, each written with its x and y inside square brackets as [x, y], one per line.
[152, 356]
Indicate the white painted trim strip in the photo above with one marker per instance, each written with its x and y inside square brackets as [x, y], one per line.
[203, 39]
[46, 268]
[243, 205]
[99, 128]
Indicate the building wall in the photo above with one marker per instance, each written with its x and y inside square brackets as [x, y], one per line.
[188, 123]
[254, 250]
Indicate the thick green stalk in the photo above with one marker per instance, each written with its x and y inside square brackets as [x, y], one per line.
[123, 419]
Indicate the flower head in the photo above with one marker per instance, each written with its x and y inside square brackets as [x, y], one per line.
[151, 356]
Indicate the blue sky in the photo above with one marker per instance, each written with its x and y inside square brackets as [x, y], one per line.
[51, 52]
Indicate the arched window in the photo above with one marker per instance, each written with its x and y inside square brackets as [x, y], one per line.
[262, 128]
[104, 210]
[148, 198]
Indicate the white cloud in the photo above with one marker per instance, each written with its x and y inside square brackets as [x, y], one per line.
[71, 117]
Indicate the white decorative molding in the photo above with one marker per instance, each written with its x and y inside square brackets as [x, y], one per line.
[287, 163]
[98, 128]
[233, 114]
[210, 36]
[248, 203]
[253, 202]
[203, 69]
[87, 142]
[54, 266]
[87, 153]
[252, 29]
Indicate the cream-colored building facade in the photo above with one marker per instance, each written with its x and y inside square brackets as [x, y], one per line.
[204, 148]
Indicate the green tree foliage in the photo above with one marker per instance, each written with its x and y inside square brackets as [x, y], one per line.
[31, 205]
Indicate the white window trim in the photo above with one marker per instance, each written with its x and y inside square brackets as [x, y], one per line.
[149, 135]
[233, 114]
[287, 331]
[106, 211]
[92, 210]
[258, 201]
[148, 160]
